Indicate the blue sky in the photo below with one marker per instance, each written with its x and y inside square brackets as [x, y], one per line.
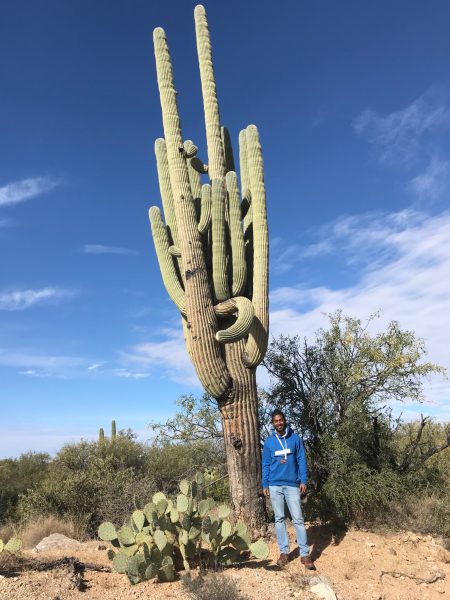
[352, 100]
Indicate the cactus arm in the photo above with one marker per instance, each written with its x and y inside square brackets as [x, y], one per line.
[190, 149]
[245, 180]
[245, 315]
[206, 351]
[166, 189]
[219, 249]
[199, 165]
[206, 206]
[258, 338]
[194, 176]
[228, 149]
[165, 260]
[236, 235]
[216, 158]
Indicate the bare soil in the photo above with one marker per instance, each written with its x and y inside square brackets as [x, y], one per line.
[361, 565]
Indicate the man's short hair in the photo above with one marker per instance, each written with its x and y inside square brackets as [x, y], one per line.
[276, 412]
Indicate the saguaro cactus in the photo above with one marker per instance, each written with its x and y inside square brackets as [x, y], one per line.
[213, 254]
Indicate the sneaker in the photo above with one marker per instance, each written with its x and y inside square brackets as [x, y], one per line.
[283, 560]
[308, 563]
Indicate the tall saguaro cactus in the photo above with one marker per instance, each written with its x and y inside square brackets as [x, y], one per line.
[213, 254]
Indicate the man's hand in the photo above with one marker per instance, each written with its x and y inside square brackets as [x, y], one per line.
[266, 492]
[302, 487]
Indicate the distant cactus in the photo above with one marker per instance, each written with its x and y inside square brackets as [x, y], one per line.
[213, 253]
[147, 546]
[101, 433]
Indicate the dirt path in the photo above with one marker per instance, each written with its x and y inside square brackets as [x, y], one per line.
[360, 566]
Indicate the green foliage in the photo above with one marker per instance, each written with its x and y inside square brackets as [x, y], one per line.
[17, 475]
[198, 419]
[152, 540]
[90, 482]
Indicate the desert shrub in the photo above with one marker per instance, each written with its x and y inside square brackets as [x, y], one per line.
[212, 586]
[16, 476]
[89, 482]
[78, 479]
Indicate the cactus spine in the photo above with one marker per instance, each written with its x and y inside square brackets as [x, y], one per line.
[213, 255]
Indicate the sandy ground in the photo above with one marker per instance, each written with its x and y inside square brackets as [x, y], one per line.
[360, 566]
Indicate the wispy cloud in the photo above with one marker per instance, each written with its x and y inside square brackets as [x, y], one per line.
[23, 299]
[402, 136]
[101, 249]
[95, 367]
[404, 269]
[432, 182]
[32, 363]
[359, 239]
[168, 355]
[19, 191]
[126, 374]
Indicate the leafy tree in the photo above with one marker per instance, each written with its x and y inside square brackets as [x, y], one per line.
[338, 392]
[197, 419]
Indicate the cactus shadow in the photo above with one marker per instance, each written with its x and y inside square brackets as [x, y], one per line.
[265, 564]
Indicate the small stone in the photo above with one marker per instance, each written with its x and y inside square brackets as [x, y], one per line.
[370, 544]
[101, 547]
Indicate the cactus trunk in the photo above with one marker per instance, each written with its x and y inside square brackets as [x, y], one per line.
[213, 253]
[242, 442]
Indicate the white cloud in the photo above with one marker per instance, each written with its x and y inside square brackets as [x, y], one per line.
[433, 182]
[19, 191]
[32, 362]
[95, 366]
[401, 137]
[126, 374]
[358, 237]
[404, 261]
[100, 249]
[23, 299]
[169, 356]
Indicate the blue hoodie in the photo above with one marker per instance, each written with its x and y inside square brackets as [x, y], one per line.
[294, 471]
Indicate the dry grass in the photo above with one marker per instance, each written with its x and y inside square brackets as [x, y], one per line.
[7, 531]
[212, 586]
[32, 533]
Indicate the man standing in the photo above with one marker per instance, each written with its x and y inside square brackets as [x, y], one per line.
[284, 478]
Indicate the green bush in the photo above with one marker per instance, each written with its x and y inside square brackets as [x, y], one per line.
[89, 482]
[18, 475]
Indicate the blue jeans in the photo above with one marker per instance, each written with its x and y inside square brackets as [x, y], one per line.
[278, 494]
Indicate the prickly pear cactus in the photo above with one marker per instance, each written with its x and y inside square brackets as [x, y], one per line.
[155, 538]
[13, 545]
